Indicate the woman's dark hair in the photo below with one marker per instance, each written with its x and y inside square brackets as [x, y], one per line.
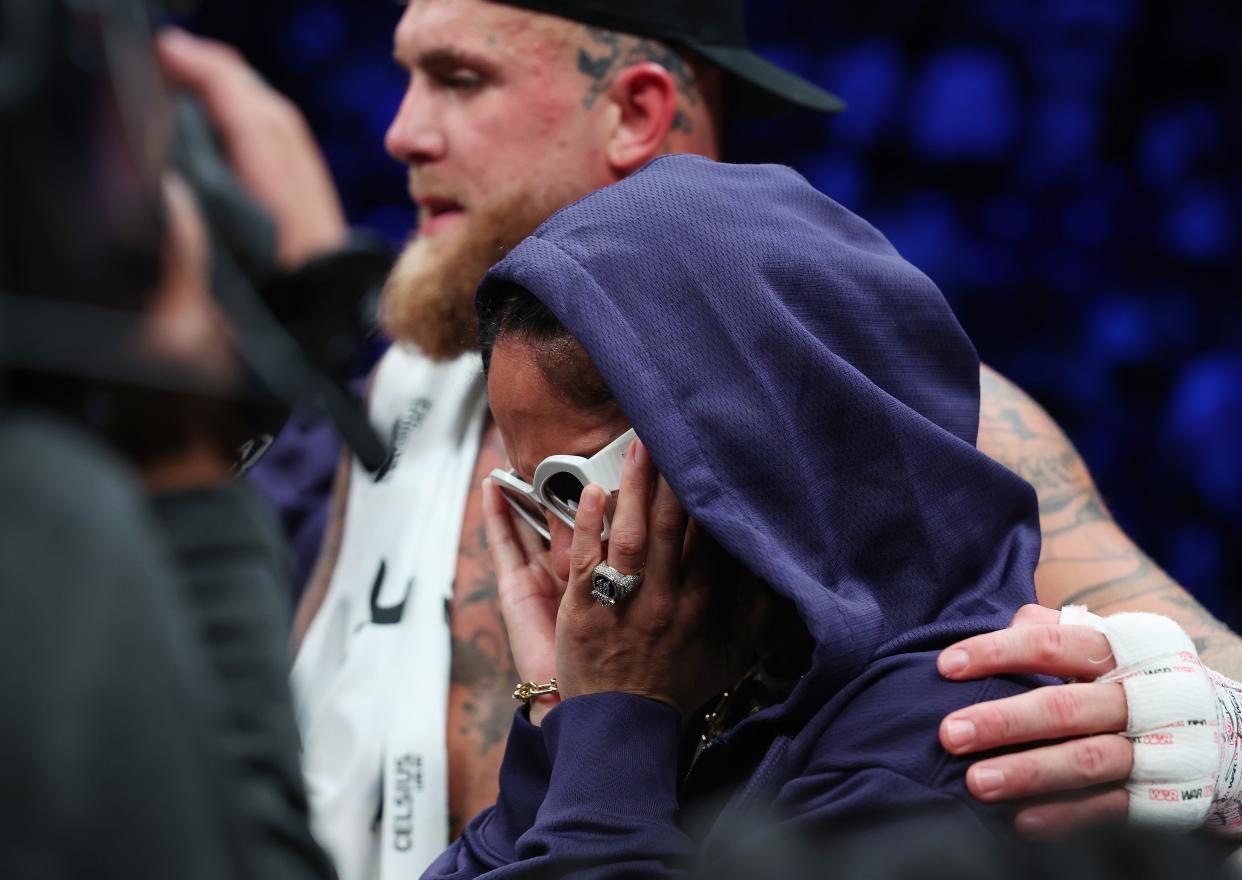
[510, 310]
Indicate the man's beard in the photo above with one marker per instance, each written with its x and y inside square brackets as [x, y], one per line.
[429, 296]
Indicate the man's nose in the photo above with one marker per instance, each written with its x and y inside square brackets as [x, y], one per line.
[415, 136]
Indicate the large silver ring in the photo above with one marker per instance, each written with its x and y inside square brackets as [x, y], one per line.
[609, 586]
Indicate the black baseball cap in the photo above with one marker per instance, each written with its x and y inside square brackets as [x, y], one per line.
[715, 29]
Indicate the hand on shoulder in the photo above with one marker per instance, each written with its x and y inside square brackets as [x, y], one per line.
[1141, 720]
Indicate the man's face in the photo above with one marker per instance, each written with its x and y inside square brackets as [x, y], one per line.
[498, 133]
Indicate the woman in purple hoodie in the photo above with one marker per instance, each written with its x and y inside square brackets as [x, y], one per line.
[804, 523]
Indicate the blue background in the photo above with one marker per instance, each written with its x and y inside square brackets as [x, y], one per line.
[1068, 172]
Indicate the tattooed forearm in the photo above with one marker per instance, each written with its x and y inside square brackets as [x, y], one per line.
[1015, 430]
[482, 667]
[1064, 514]
[480, 706]
[606, 53]
[482, 674]
[1218, 647]
[1086, 559]
[1148, 588]
[482, 663]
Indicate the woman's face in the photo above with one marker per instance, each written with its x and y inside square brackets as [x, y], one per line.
[536, 422]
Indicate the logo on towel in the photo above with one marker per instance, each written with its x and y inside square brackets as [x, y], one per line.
[401, 431]
[387, 614]
[408, 773]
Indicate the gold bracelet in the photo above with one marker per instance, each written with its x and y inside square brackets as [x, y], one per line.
[528, 690]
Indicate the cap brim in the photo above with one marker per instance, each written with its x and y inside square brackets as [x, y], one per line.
[764, 88]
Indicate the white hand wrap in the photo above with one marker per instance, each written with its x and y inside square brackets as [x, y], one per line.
[1184, 724]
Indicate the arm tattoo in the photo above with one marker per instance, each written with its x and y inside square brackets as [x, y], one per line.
[607, 53]
[482, 673]
[1086, 559]
[1015, 431]
[482, 668]
[1135, 583]
[481, 662]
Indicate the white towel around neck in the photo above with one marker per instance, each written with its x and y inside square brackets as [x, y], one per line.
[371, 680]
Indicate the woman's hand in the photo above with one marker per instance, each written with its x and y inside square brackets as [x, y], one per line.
[664, 641]
[529, 590]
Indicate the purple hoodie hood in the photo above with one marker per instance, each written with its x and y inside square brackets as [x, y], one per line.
[808, 394]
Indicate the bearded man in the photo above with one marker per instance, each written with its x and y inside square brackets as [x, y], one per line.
[512, 110]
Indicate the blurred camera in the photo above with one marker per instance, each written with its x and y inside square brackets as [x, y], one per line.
[87, 133]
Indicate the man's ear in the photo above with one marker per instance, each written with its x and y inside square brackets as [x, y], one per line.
[645, 98]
